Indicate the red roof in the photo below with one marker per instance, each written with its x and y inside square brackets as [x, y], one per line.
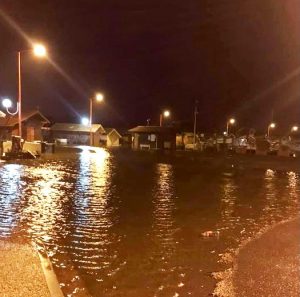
[10, 121]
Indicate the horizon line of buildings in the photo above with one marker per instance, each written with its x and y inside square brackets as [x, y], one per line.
[37, 127]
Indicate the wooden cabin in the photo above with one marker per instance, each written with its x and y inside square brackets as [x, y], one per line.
[77, 134]
[110, 138]
[153, 137]
[32, 124]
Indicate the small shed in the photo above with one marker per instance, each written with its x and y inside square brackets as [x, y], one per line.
[110, 138]
[72, 134]
[153, 137]
[32, 124]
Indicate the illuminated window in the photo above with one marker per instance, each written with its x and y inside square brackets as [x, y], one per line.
[152, 137]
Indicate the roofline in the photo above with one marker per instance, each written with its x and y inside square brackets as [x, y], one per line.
[35, 112]
[161, 128]
[51, 128]
[113, 129]
[26, 118]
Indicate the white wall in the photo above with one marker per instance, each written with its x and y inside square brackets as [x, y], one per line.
[35, 148]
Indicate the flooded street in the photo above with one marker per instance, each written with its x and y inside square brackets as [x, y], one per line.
[126, 225]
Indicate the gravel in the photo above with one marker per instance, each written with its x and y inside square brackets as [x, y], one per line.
[20, 272]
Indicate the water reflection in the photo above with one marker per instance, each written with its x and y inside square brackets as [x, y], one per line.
[43, 209]
[229, 218]
[10, 193]
[293, 187]
[164, 206]
[164, 228]
[270, 195]
[93, 216]
[72, 206]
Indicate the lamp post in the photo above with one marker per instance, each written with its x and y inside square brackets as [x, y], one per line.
[271, 126]
[39, 51]
[231, 121]
[99, 98]
[7, 104]
[165, 114]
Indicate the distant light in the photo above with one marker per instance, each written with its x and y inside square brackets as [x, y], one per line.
[225, 133]
[99, 97]
[231, 121]
[85, 121]
[272, 125]
[39, 50]
[167, 113]
[295, 128]
[7, 103]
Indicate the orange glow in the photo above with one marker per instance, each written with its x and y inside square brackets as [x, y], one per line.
[232, 121]
[99, 97]
[39, 50]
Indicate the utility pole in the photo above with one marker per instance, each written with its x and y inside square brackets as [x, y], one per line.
[195, 121]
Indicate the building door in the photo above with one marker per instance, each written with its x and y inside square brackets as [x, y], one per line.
[30, 134]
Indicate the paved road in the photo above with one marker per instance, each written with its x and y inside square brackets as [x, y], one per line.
[269, 265]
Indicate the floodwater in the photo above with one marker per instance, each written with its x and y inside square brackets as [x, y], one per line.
[130, 225]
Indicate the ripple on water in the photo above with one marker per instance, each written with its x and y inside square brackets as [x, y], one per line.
[125, 230]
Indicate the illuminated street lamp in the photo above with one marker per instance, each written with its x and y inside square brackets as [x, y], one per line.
[7, 104]
[85, 121]
[295, 129]
[271, 126]
[98, 98]
[165, 114]
[39, 51]
[231, 121]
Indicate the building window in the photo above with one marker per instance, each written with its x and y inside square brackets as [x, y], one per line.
[152, 137]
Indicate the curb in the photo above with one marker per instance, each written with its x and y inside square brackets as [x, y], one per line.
[50, 276]
[51, 279]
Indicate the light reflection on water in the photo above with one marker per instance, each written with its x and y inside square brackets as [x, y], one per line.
[93, 215]
[125, 229]
[228, 203]
[10, 193]
[164, 227]
[163, 213]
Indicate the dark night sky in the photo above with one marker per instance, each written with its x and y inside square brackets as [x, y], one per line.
[236, 57]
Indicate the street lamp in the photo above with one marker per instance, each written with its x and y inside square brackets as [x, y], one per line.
[271, 126]
[165, 114]
[39, 51]
[98, 98]
[231, 121]
[295, 129]
[7, 104]
[85, 121]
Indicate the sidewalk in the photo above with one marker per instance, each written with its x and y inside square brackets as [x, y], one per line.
[21, 274]
[270, 265]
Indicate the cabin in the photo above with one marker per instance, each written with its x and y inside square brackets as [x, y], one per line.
[76, 134]
[126, 140]
[185, 140]
[153, 137]
[110, 138]
[32, 126]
